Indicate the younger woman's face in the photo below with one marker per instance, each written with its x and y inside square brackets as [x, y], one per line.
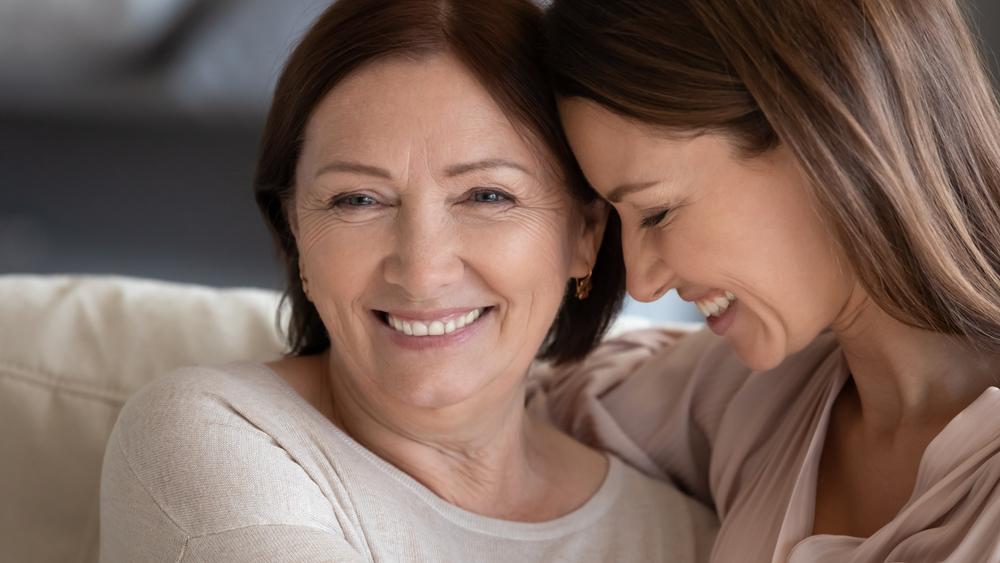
[739, 237]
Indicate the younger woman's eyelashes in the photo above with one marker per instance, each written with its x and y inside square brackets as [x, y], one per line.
[655, 218]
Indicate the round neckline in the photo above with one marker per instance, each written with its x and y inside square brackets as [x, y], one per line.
[583, 516]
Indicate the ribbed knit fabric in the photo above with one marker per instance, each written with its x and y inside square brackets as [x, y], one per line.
[229, 463]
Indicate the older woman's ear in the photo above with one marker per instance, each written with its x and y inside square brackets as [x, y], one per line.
[292, 216]
[595, 219]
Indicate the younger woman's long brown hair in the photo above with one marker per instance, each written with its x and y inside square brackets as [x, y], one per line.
[885, 104]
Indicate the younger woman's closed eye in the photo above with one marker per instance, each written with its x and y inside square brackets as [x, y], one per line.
[655, 218]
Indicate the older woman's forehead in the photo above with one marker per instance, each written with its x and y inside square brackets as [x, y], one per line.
[391, 108]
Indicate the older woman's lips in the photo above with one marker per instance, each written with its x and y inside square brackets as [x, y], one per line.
[424, 329]
[432, 324]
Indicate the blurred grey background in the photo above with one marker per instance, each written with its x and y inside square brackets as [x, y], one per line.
[128, 133]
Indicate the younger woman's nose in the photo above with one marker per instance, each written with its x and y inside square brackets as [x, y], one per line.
[648, 276]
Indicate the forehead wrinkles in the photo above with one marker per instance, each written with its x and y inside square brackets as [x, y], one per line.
[422, 125]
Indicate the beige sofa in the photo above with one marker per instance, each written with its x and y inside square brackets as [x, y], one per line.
[72, 350]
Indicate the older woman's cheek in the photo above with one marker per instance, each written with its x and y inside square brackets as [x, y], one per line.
[544, 231]
[341, 261]
[529, 254]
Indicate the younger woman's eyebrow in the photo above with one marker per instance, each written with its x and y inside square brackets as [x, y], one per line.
[619, 192]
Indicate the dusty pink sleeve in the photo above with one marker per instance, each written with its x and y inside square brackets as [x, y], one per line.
[650, 397]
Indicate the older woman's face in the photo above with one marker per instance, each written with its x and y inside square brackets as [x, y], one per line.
[436, 240]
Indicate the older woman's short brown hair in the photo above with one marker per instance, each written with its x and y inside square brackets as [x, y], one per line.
[501, 43]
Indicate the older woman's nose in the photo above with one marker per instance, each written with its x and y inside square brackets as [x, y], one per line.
[425, 261]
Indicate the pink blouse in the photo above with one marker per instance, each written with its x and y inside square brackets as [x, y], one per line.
[749, 444]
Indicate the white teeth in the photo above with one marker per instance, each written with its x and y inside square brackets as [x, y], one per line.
[472, 316]
[715, 306]
[433, 328]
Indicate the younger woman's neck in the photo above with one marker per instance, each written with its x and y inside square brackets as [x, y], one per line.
[905, 375]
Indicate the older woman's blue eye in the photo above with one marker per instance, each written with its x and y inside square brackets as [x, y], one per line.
[356, 200]
[490, 196]
[361, 200]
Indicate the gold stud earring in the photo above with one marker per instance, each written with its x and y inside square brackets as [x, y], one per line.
[583, 287]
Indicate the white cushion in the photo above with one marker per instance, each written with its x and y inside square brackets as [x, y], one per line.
[72, 350]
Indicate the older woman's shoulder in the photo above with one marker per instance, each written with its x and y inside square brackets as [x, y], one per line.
[216, 448]
[185, 391]
[213, 460]
[684, 526]
[206, 408]
[198, 410]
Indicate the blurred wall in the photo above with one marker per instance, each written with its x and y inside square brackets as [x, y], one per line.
[133, 154]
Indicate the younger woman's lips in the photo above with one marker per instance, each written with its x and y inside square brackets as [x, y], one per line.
[720, 324]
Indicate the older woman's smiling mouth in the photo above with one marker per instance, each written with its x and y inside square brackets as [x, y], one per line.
[438, 323]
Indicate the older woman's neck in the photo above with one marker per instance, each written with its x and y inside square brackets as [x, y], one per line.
[486, 455]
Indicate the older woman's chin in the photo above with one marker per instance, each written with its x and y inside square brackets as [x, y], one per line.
[441, 388]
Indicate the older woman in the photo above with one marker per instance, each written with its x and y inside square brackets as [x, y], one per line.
[822, 177]
[437, 237]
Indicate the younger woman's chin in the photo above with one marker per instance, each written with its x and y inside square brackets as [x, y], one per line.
[760, 364]
[768, 352]
[759, 356]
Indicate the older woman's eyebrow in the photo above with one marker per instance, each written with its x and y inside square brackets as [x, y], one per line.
[486, 164]
[352, 167]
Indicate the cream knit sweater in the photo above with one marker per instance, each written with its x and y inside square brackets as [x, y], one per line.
[229, 463]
